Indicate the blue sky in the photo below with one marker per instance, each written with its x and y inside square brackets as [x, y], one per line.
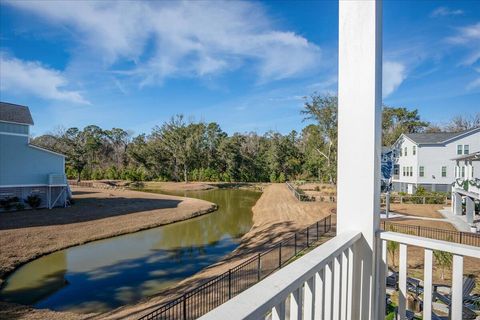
[245, 65]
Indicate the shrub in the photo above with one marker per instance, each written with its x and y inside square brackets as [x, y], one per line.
[19, 206]
[8, 203]
[281, 178]
[273, 177]
[33, 201]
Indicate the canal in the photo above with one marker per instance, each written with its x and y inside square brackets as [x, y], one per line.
[105, 274]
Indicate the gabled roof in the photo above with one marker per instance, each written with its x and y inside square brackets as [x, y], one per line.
[436, 137]
[15, 113]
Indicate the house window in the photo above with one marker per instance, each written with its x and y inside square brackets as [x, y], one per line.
[414, 150]
[401, 152]
[421, 171]
[466, 148]
[411, 171]
[444, 172]
[395, 170]
[459, 149]
[463, 172]
[403, 171]
[405, 151]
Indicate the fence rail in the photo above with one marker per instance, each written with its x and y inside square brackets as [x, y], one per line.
[472, 239]
[297, 194]
[199, 301]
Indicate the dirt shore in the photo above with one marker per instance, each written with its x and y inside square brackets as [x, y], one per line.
[96, 214]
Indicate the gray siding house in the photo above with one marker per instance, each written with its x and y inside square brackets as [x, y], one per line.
[26, 169]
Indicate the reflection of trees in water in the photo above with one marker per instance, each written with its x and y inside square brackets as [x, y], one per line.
[232, 219]
[183, 249]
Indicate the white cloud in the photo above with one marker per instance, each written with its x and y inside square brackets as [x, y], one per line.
[467, 34]
[31, 77]
[474, 84]
[181, 39]
[393, 75]
[444, 11]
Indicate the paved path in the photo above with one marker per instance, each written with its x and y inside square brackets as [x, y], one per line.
[456, 221]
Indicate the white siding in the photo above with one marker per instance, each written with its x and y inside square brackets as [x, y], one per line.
[433, 158]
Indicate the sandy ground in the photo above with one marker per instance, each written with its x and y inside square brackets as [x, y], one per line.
[419, 210]
[96, 214]
[275, 215]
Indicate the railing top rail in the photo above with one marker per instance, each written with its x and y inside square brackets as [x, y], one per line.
[447, 246]
[273, 290]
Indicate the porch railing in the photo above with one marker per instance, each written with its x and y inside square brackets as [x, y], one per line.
[220, 289]
[468, 238]
[317, 286]
[321, 284]
[459, 251]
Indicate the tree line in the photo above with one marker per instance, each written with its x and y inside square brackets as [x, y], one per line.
[180, 150]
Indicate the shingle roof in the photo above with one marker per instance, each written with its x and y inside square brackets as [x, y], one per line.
[434, 138]
[10, 112]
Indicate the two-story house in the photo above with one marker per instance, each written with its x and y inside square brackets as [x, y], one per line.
[424, 159]
[26, 169]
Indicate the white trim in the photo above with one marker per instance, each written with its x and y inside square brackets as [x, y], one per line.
[42, 149]
[32, 185]
[24, 124]
[14, 134]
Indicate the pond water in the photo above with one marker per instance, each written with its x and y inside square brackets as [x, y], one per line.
[106, 274]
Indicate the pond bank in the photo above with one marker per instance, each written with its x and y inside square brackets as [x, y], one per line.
[96, 214]
[275, 216]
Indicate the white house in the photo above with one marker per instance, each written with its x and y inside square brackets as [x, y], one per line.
[466, 185]
[425, 159]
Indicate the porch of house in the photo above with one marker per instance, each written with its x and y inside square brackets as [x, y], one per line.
[345, 278]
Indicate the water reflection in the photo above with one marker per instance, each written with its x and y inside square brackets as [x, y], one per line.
[109, 273]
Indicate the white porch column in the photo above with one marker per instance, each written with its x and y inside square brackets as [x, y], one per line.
[469, 209]
[457, 209]
[359, 140]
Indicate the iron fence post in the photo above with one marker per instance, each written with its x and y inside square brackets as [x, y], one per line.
[308, 238]
[259, 269]
[280, 256]
[229, 283]
[295, 241]
[317, 232]
[324, 225]
[185, 307]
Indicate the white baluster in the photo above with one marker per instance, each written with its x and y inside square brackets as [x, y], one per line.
[337, 274]
[308, 299]
[278, 312]
[343, 300]
[296, 304]
[318, 297]
[427, 284]
[351, 257]
[402, 281]
[328, 291]
[457, 287]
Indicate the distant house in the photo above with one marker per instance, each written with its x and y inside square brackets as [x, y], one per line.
[466, 187]
[26, 169]
[424, 159]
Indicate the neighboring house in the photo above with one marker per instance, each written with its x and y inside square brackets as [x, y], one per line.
[26, 169]
[466, 185]
[387, 169]
[424, 159]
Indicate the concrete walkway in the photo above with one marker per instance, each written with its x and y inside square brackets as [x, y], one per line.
[458, 222]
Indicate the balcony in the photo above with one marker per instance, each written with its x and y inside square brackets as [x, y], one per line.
[325, 283]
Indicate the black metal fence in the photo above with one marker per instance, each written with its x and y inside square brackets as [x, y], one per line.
[471, 239]
[298, 193]
[206, 297]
